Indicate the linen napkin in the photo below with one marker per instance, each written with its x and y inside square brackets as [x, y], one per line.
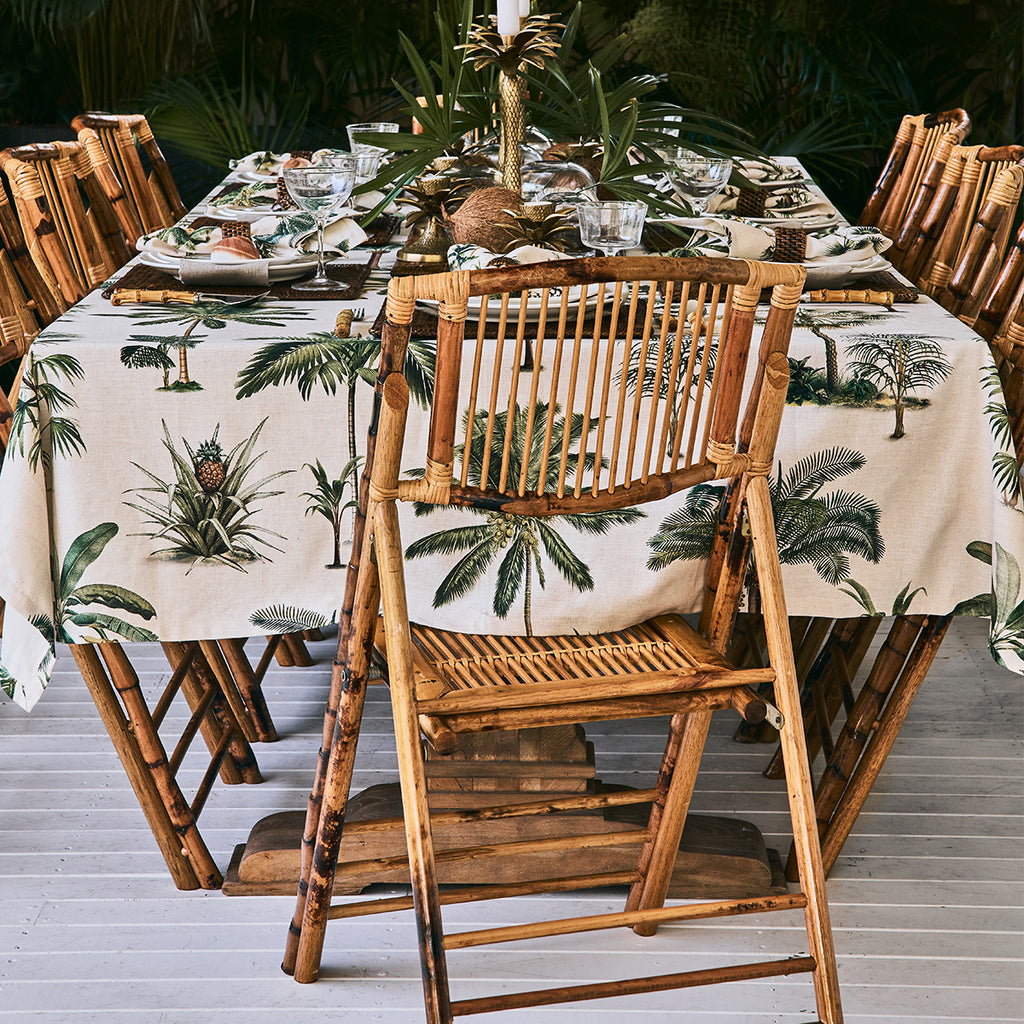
[264, 162]
[733, 236]
[201, 272]
[284, 236]
[467, 256]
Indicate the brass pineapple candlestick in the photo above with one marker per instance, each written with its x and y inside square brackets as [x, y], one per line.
[535, 42]
[431, 197]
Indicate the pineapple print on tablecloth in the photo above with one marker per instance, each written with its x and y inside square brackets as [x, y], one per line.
[209, 464]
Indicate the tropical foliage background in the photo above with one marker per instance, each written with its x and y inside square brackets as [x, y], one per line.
[826, 80]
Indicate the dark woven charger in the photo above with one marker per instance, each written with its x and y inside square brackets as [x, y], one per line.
[350, 277]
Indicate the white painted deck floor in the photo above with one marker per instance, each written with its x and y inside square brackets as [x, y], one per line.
[927, 899]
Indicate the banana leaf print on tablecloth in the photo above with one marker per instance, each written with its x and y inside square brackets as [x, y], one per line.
[206, 512]
[521, 538]
[73, 603]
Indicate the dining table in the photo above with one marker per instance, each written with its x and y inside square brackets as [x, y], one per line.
[184, 465]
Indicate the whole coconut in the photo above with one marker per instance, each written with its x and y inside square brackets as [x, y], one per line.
[483, 218]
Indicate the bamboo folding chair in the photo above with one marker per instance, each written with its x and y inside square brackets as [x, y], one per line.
[66, 214]
[927, 251]
[19, 324]
[918, 155]
[125, 139]
[662, 402]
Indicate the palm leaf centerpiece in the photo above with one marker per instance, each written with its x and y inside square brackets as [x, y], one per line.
[206, 513]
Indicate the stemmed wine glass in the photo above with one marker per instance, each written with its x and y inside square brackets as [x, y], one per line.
[611, 227]
[320, 190]
[696, 176]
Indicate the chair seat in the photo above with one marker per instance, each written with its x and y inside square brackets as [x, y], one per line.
[461, 677]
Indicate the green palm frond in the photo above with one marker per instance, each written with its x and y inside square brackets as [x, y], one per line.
[808, 475]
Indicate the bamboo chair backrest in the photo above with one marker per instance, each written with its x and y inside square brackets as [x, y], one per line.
[979, 263]
[1008, 351]
[34, 272]
[18, 326]
[61, 203]
[611, 397]
[975, 175]
[125, 138]
[1006, 293]
[922, 142]
[127, 214]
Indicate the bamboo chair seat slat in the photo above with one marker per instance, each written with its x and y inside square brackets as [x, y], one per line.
[629, 380]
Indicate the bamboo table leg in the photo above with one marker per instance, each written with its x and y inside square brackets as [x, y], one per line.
[872, 727]
[133, 729]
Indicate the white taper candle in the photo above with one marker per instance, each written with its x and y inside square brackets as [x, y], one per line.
[508, 17]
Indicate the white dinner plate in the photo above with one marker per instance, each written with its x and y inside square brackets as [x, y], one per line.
[280, 268]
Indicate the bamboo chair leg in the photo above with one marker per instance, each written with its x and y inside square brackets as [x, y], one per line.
[328, 799]
[247, 682]
[668, 814]
[798, 775]
[126, 745]
[296, 645]
[884, 734]
[412, 771]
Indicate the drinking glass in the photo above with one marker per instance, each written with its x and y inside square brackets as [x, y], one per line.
[611, 227]
[320, 190]
[697, 177]
[355, 131]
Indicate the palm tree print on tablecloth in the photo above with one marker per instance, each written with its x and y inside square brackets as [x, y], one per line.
[41, 400]
[818, 322]
[328, 500]
[521, 538]
[325, 359]
[1005, 470]
[151, 350]
[206, 512]
[900, 605]
[73, 604]
[900, 362]
[813, 528]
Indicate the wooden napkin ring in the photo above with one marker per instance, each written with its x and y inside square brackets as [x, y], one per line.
[284, 201]
[302, 154]
[750, 202]
[236, 229]
[790, 245]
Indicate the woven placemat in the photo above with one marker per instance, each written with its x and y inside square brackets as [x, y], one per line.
[350, 277]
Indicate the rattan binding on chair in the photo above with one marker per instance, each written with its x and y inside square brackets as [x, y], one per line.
[695, 420]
